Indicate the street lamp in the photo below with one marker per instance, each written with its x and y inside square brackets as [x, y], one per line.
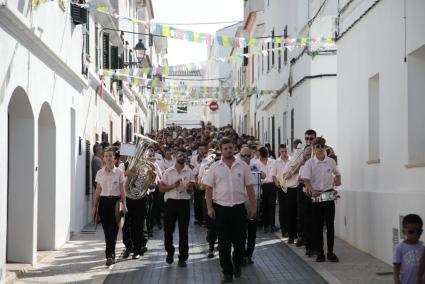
[140, 50]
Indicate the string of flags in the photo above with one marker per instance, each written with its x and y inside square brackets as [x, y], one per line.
[200, 37]
[171, 70]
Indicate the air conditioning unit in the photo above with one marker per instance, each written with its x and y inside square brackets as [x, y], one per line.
[78, 14]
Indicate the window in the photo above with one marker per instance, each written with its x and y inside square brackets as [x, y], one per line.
[252, 70]
[284, 128]
[105, 45]
[279, 57]
[262, 59]
[272, 51]
[279, 141]
[111, 131]
[245, 59]
[292, 129]
[416, 103]
[373, 120]
[96, 44]
[258, 130]
[268, 57]
[285, 52]
[268, 130]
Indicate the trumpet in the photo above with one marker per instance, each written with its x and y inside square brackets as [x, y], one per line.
[288, 175]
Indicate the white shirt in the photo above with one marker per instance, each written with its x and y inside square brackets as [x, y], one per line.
[194, 160]
[267, 169]
[293, 181]
[165, 164]
[110, 182]
[320, 173]
[171, 175]
[229, 184]
[278, 167]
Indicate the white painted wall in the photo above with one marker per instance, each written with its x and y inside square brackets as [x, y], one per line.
[46, 70]
[375, 195]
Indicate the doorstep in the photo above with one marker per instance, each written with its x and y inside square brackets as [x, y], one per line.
[16, 270]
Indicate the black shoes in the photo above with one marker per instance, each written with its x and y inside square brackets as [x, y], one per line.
[109, 261]
[143, 250]
[182, 263]
[320, 257]
[237, 272]
[226, 278]
[126, 253]
[170, 258]
[211, 253]
[300, 242]
[273, 229]
[136, 256]
[310, 253]
[248, 260]
[291, 241]
[332, 257]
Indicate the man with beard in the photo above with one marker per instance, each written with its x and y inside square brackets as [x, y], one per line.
[177, 184]
[229, 184]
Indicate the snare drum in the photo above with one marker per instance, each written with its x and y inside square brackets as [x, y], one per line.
[329, 195]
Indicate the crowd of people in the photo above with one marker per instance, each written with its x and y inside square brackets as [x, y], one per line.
[233, 183]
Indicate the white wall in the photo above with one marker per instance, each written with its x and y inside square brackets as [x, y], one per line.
[375, 195]
[46, 69]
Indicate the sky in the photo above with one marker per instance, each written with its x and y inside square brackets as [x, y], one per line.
[194, 11]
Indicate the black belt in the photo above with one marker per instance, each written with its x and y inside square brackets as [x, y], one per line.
[110, 196]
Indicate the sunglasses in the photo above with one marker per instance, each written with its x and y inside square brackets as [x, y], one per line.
[245, 156]
[318, 146]
[309, 138]
[416, 232]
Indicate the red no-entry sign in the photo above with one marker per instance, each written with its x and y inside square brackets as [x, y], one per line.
[213, 106]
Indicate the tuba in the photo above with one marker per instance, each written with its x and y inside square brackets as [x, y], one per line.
[142, 167]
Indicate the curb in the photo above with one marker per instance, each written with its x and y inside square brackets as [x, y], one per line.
[324, 273]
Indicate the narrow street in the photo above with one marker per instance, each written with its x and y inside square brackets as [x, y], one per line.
[82, 261]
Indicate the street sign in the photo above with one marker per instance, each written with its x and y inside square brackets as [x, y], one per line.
[213, 106]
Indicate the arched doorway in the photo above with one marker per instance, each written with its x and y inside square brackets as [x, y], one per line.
[46, 224]
[20, 191]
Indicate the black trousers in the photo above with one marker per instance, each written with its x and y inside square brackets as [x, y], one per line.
[211, 229]
[323, 213]
[291, 204]
[158, 206]
[132, 233]
[197, 205]
[269, 204]
[251, 226]
[307, 226]
[109, 224]
[149, 211]
[283, 211]
[230, 223]
[177, 211]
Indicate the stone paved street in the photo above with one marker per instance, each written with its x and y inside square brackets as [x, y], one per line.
[274, 263]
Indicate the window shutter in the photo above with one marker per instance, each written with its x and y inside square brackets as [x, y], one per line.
[105, 50]
[114, 57]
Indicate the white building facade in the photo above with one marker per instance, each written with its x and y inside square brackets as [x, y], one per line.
[381, 71]
[300, 84]
[220, 74]
[54, 106]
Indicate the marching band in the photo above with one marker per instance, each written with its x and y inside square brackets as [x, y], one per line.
[233, 184]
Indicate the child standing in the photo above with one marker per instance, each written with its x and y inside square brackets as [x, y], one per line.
[408, 253]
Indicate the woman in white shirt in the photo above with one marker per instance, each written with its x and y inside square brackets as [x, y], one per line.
[109, 190]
